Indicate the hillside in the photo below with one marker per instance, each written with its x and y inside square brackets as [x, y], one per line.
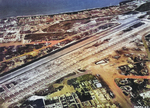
[144, 7]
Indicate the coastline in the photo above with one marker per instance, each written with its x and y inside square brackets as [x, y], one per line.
[64, 12]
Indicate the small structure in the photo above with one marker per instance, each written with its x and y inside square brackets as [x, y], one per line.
[103, 61]
[98, 85]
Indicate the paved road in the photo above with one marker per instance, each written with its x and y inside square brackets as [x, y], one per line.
[127, 23]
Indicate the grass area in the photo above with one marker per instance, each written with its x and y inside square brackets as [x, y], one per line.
[65, 88]
[85, 78]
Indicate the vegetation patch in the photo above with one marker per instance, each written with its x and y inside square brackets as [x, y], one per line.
[144, 7]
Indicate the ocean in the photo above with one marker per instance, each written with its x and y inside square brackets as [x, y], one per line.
[12, 8]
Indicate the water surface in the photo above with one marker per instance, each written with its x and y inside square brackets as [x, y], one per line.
[9, 8]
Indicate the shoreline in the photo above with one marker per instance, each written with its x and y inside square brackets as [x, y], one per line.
[65, 12]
